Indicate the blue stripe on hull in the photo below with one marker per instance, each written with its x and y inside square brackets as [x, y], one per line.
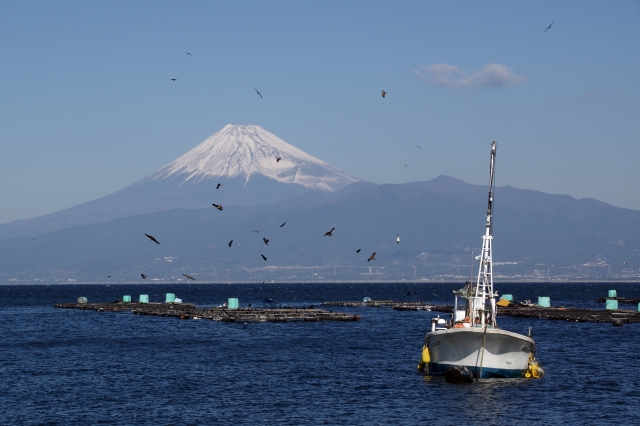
[487, 373]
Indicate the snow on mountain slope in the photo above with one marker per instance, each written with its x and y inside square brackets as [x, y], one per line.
[247, 150]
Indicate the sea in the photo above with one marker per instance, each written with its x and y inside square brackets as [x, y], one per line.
[71, 367]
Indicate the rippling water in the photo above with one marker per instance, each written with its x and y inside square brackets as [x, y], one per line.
[75, 367]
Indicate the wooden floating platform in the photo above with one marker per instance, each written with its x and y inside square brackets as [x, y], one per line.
[560, 313]
[398, 306]
[621, 300]
[221, 314]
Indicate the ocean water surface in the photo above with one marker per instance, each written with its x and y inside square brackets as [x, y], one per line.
[71, 367]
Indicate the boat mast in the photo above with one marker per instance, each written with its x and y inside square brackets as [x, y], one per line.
[484, 285]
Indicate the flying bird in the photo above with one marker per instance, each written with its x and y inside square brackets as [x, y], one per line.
[152, 239]
[264, 257]
[330, 233]
[31, 237]
[358, 251]
[384, 93]
[188, 53]
[258, 93]
[625, 263]
[108, 276]
[372, 257]
[265, 241]
[257, 231]
[189, 277]
[239, 245]
[398, 239]
[405, 165]
[218, 186]
[173, 79]
[548, 27]
[217, 206]
[283, 224]
[230, 242]
[278, 159]
[418, 147]
[144, 277]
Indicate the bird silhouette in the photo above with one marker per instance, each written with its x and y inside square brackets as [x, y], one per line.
[625, 263]
[217, 206]
[152, 239]
[173, 79]
[249, 305]
[418, 147]
[218, 186]
[398, 239]
[406, 165]
[188, 53]
[372, 257]
[257, 231]
[144, 277]
[258, 93]
[384, 93]
[31, 237]
[265, 241]
[330, 233]
[283, 224]
[230, 242]
[358, 251]
[278, 159]
[108, 276]
[265, 259]
[189, 277]
[548, 27]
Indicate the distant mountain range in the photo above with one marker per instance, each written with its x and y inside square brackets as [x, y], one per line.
[440, 222]
[252, 165]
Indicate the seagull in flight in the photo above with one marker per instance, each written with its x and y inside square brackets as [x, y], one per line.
[548, 27]
[358, 251]
[152, 239]
[173, 79]
[189, 277]
[372, 257]
[188, 53]
[257, 231]
[144, 277]
[278, 159]
[258, 92]
[230, 243]
[264, 257]
[384, 93]
[406, 165]
[265, 241]
[218, 186]
[31, 237]
[217, 206]
[330, 233]
[418, 147]
[398, 239]
[283, 224]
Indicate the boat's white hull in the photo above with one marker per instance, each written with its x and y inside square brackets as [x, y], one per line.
[505, 354]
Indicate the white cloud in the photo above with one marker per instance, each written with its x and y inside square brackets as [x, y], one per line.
[489, 76]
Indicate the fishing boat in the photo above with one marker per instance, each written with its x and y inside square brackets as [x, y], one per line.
[471, 341]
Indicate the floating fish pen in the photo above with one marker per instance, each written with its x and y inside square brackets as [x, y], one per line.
[221, 314]
[615, 316]
[396, 305]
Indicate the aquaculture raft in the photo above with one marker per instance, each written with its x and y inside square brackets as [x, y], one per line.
[222, 314]
[396, 305]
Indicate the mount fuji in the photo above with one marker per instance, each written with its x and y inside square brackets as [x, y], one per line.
[243, 159]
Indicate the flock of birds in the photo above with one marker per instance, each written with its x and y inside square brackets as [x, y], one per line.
[265, 240]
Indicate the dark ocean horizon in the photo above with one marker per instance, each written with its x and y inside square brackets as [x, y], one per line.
[71, 367]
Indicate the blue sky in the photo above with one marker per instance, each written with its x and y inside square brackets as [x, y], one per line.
[87, 106]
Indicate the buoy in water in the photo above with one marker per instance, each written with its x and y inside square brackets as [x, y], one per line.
[458, 375]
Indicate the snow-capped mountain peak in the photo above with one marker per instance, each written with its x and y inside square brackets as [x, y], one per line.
[238, 150]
